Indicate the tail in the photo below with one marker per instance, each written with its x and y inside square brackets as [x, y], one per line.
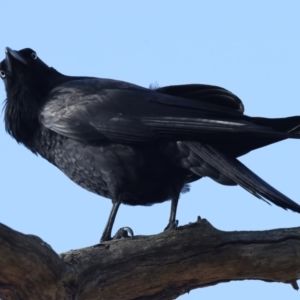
[290, 125]
[236, 172]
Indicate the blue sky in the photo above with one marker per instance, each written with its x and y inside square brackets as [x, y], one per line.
[251, 48]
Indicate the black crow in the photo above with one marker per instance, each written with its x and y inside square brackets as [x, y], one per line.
[135, 145]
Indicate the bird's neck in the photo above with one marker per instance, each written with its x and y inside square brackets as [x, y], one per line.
[21, 114]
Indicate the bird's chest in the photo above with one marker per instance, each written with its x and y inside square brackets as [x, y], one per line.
[137, 175]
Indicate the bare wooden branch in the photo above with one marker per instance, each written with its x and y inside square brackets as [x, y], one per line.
[161, 266]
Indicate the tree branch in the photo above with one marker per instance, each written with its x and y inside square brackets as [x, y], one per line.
[161, 266]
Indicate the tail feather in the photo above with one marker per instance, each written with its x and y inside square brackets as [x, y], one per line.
[289, 125]
[239, 173]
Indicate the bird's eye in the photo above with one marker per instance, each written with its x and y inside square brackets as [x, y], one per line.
[34, 55]
[2, 74]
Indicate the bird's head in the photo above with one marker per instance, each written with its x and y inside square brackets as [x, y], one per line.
[27, 81]
[24, 68]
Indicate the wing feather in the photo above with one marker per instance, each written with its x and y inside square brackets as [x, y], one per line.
[100, 109]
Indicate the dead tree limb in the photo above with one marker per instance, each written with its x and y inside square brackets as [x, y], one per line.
[161, 266]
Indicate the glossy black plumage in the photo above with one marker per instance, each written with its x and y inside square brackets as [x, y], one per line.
[135, 145]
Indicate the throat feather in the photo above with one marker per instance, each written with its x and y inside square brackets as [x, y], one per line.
[21, 114]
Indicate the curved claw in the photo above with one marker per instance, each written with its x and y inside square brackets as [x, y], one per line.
[123, 232]
[129, 230]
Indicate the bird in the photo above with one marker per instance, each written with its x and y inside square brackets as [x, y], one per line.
[136, 145]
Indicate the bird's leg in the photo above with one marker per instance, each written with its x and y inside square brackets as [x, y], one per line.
[106, 236]
[172, 221]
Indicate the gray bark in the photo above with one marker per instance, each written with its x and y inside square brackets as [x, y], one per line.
[162, 266]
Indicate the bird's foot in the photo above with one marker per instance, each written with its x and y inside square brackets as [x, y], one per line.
[123, 233]
[105, 238]
[172, 225]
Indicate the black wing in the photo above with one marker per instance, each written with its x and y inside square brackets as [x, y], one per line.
[98, 109]
[206, 93]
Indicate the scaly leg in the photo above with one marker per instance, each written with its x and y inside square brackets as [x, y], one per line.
[172, 221]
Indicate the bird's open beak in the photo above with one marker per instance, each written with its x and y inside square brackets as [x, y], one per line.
[13, 55]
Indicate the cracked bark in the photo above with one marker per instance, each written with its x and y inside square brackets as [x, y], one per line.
[161, 266]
